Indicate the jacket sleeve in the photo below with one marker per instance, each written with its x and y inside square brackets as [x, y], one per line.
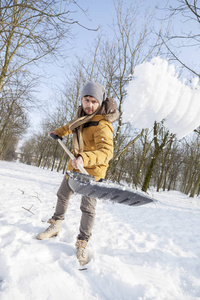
[64, 130]
[103, 140]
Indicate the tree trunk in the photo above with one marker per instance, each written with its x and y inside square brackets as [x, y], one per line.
[61, 160]
[54, 157]
[157, 151]
[196, 185]
[150, 171]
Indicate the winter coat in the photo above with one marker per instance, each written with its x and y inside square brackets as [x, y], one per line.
[98, 144]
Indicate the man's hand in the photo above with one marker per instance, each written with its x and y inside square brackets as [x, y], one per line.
[76, 161]
[54, 132]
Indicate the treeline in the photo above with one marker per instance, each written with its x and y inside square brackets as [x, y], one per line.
[152, 157]
[143, 159]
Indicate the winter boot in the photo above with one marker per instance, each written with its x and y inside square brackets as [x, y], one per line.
[81, 252]
[51, 231]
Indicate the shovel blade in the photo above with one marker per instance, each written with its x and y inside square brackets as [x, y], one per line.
[86, 185]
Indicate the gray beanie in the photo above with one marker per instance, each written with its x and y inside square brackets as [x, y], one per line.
[95, 90]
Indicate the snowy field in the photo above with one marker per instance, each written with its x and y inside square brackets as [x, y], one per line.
[137, 253]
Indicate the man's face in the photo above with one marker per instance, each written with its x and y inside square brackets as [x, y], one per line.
[89, 104]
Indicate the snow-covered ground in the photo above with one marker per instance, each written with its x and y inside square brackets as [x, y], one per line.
[137, 253]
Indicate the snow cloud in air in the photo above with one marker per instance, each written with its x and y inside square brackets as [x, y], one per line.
[156, 93]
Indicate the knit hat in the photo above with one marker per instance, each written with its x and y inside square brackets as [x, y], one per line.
[95, 90]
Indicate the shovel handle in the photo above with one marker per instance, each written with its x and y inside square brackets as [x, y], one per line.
[59, 139]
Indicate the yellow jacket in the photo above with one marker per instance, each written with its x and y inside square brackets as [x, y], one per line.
[98, 144]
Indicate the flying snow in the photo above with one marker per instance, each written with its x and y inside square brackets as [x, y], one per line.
[156, 93]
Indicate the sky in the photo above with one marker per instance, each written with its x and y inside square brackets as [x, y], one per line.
[99, 13]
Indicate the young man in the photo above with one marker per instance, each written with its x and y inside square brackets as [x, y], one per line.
[92, 143]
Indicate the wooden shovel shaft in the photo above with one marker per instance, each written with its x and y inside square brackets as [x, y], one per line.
[81, 169]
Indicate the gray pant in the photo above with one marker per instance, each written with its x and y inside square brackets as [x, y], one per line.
[87, 207]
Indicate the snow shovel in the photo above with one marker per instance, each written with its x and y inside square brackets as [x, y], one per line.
[85, 184]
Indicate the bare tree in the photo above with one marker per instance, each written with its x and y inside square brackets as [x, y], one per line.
[188, 12]
[161, 138]
[13, 116]
[191, 169]
[30, 30]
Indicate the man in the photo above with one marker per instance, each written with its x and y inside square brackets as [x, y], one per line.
[92, 143]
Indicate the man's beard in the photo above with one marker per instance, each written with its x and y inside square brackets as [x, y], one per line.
[87, 111]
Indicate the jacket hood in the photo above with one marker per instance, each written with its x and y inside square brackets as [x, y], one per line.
[112, 117]
[109, 110]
